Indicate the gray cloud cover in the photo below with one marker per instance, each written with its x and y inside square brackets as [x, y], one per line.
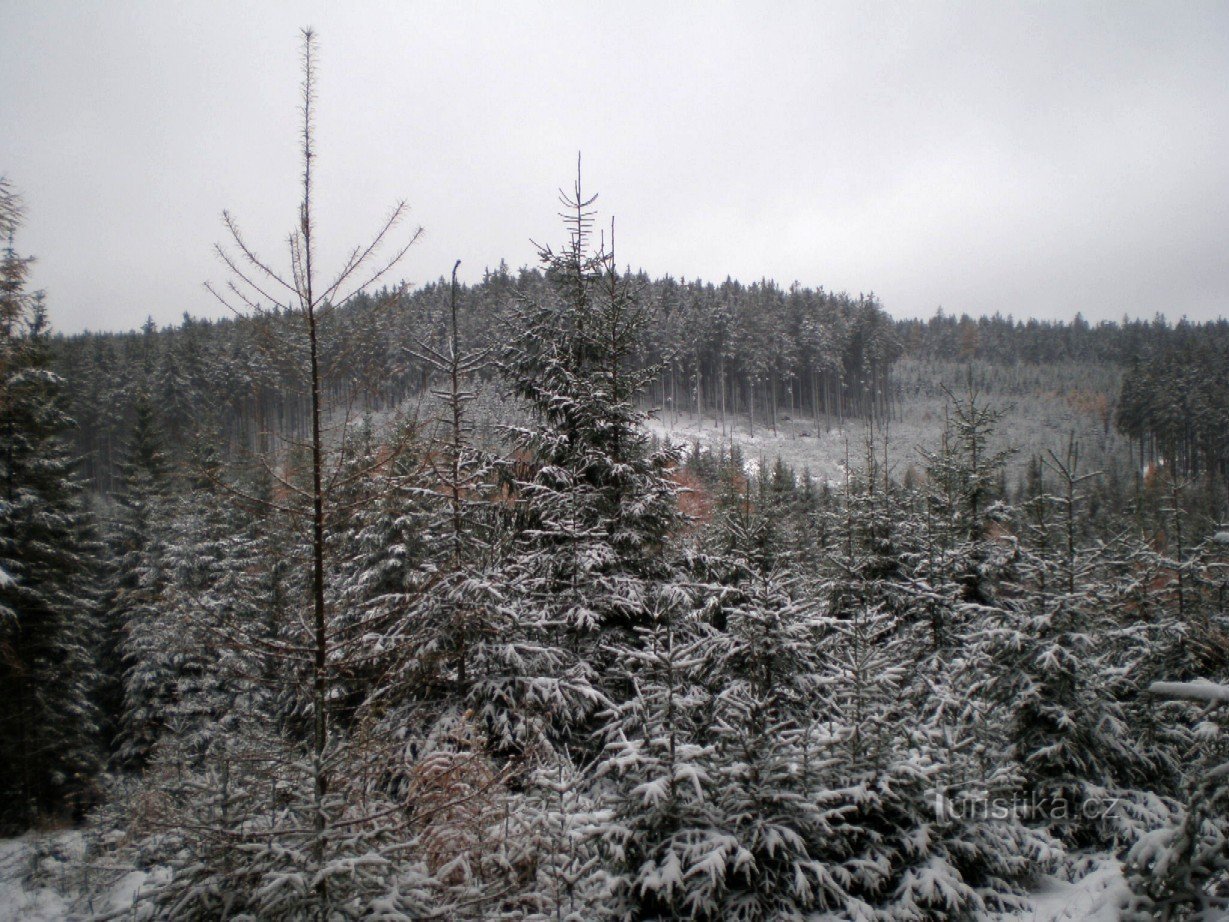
[1035, 159]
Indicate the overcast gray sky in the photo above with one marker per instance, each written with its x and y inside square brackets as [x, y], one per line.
[1035, 159]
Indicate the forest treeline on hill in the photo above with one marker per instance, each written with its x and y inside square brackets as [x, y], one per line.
[718, 349]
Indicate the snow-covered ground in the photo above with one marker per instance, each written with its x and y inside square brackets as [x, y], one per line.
[1032, 423]
[32, 885]
[1097, 896]
[48, 877]
[799, 443]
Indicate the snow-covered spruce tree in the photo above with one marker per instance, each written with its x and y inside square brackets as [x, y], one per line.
[1179, 866]
[593, 503]
[953, 566]
[775, 820]
[1183, 593]
[446, 630]
[899, 739]
[1180, 871]
[140, 531]
[750, 532]
[1137, 648]
[195, 653]
[397, 697]
[188, 683]
[290, 820]
[381, 550]
[917, 835]
[947, 555]
[554, 840]
[1173, 624]
[588, 509]
[962, 478]
[49, 723]
[421, 576]
[664, 847]
[134, 526]
[1045, 658]
[147, 634]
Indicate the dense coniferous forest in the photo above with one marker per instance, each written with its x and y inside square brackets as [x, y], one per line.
[724, 349]
[404, 607]
[751, 353]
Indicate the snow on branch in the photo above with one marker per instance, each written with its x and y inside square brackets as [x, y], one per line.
[1198, 690]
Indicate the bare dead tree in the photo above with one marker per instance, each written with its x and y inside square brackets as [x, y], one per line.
[255, 288]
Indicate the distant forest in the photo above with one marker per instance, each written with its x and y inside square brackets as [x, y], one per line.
[757, 352]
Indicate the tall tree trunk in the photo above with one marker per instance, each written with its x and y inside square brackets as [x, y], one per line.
[751, 406]
[772, 385]
[320, 685]
[699, 393]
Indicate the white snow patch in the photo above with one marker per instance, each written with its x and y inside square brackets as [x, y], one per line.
[1098, 896]
[49, 877]
[1198, 690]
[28, 880]
[124, 894]
[800, 443]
